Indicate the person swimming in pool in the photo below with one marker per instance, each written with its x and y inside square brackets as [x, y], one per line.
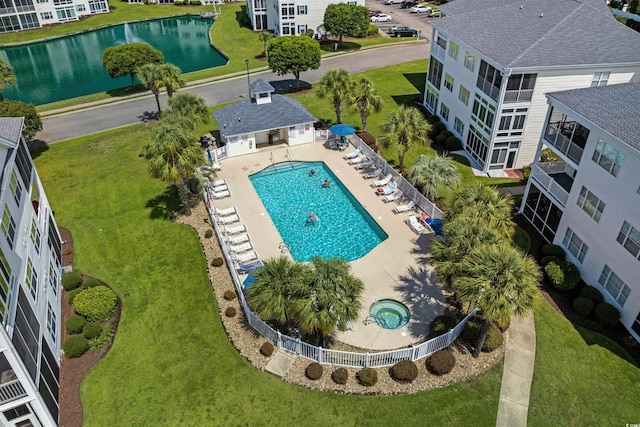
[313, 218]
[312, 172]
[326, 184]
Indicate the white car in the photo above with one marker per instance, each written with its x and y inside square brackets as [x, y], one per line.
[420, 9]
[381, 17]
[392, 1]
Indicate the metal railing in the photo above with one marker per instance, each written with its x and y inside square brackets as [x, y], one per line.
[437, 50]
[11, 390]
[488, 88]
[546, 182]
[511, 96]
[553, 136]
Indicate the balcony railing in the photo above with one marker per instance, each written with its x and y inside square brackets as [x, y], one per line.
[11, 390]
[26, 8]
[487, 87]
[553, 136]
[546, 181]
[7, 10]
[512, 96]
[437, 50]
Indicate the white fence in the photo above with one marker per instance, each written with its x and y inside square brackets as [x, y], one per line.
[323, 355]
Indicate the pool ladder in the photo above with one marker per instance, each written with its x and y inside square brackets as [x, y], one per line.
[284, 248]
[375, 319]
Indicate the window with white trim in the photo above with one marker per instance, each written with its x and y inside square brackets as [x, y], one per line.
[288, 11]
[444, 112]
[16, 188]
[591, 204]
[46, 16]
[53, 278]
[608, 157]
[302, 9]
[66, 13]
[8, 226]
[51, 322]
[453, 50]
[5, 283]
[614, 285]
[629, 238]
[463, 95]
[431, 100]
[289, 28]
[448, 82]
[458, 126]
[575, 245]
[32, 279]
[80, 7]
[35, 235]
[302, 29]
[512, 122]
[483, 113]
[469, 61]
[600, 78]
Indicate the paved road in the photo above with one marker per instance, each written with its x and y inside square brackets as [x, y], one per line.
[126, 112]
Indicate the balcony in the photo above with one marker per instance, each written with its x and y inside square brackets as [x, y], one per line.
[513, 96]
[7, 10]
[26, 8]
[437, 51]
[488, 88]
[10, 391]
[556, 178]
[554, 137]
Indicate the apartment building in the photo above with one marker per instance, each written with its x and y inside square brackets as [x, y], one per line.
[290, 17]
[589, 202]
[492, 61]
[30, 271]
[17, 15]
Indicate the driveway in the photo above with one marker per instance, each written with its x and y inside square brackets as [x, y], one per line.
[400, 16]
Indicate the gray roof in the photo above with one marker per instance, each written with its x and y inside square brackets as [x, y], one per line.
[613, 108]
[260, 86]
[11, 128]
[513, 33]
[247, 116]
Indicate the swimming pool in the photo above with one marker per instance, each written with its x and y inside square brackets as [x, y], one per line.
[345, 229]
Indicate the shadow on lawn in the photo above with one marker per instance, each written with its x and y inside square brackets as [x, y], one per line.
[165, 204]
[417, 80]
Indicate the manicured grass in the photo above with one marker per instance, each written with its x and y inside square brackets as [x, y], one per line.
[171, 362]
[581, 378]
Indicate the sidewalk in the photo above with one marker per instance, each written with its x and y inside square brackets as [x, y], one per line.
[517, 373]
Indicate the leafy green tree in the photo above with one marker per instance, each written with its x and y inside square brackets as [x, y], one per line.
[32, 121]
[173, 156]
[365, 100]
[431, 171]
[500, 281]
[172, 78]
[264, 37]
[294, 54]
[336, 84]
[6, 76]
[190, 106]
[486, 204]
[349, 20]
[404, 128]
[127, 58]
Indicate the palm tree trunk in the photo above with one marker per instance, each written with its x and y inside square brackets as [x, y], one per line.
[133, 82]
[183, 191]
[158, 103]
[338, 106]
[363, 119]
[483, 335]
[297, 76]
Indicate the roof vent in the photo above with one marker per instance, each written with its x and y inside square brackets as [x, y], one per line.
[541, 15]
[521, 6]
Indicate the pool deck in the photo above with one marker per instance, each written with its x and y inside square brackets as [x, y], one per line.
[397, 268]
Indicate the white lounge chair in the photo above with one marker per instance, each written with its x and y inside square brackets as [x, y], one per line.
[365, 165]
[234, 230]
[393, 197]
[245, 268]
[415, 225]
[404, 208]
[358, 160]
[353, 153]
[219, 182]
[224, 212]
[382, 182]
[242, 247]
[228, 219]
[220, 188]
[236, 240]
[372, 174]
[245, 257]
[389, 189]
[221, 194]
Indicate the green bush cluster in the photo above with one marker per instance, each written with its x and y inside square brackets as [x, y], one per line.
[267, 349]
[340, 376]
[441, 325]
[314, 371]
[441, 362]
[230, 312]
[549, 258]
[91, 330]
[71, 280]
[521, 239]
[453, 143]
[592, 293]
[75, 346]
[72, 295]
[583, 306]
[96, 304]
[471, 334]
[433, 119]
[404, 371]
[607, 314]
[102, 340]
[74, 324]
[229, 295]
[494, 339]
[91, 282]
[367, 377]
[563, 275]
[208, 233]
[553, 250]
[372, 30]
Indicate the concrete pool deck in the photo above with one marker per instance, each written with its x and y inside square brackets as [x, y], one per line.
[397, 268]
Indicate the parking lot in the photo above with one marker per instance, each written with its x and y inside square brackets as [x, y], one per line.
[399, 16]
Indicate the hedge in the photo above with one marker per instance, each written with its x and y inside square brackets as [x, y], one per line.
[583, 306]
[563, 275]
[91, 330]
[314, 371]
[267, 349]
[441, 362]
[441, 325]
[404, 371]
[71, 280]
[340, 376]
[471, 334]
[75, 346]
[96, 304]
[74, 324]
[91, 282]
[453, 143]
[607, 314]
[367, 377]
[592, 293]
[553, 250]
[72, 295]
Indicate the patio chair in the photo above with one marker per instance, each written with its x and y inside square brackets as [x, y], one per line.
[241, 228]
[236, 240]
[221, 194]
[220, 188]
[228, 219]
[242, 247]
[393, 197]
[388, 190]
[382, 182]
[225, 212]
[245, 257]
[358, 160]
[246, 268]
[404, 208]
[372, 174]
[365, 165]
[415, 225]
[219, 182]
[353, 154]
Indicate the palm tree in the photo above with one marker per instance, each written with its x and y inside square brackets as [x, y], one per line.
[6, 76]
[171, 78]
[190, 106]
[331, 299]
[366, 100]
[404, 127]
[486, 204]
[431, 171]
[264, 37]
[500, 281]
[151, 77]
[336, 84]
[173, 157]
[276, 281]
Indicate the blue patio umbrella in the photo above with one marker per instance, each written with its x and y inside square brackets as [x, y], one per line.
[209, 155]
[341, 129]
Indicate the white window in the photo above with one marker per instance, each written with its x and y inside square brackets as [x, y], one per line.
[463, 95]
[453, 50]
[302, 9]
[591, 204]
[16, 188]
[43, 1]
[444, 112]
[608, 157]
[302, 29]
[35, 235]
[483, 113]
[289, 29]
[448, 82]
[80, 7]
[614, 285]
[32, 279]
[575, 245]
[431, 100]
[352, 3]
[288, 11]
[8, 226]
[5, 283]
[600, 78]
[51, 322]
[53, 278]
[512, 122]
[66, 14]
[629, 238]
[46, 15]
[469, 61]
[458, 126]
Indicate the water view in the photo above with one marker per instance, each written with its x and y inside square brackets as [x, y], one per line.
[71, 66]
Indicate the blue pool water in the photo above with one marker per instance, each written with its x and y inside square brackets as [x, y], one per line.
[345, 229]
[389, 314]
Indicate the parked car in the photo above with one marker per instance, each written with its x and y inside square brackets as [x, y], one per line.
[435, 13]
[381, 17]
[392, 1]
[407, 4]
[400, 31]
[421, 9]
[374, 12]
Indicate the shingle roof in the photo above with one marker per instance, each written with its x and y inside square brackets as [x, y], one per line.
[247, 116]
[514, 34]
[11, 128]
[613, 108]
[260, 86]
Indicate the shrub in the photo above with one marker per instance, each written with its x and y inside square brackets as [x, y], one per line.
[75, 346]
[439, 127]
[583, 306]
[195, 3]
[592, 293]
[72, 295]
[372, 30]
[340, 376]
[440, 325]
[217, 262]
[71, 280]
[503, 326]
[550, 258]
[91, 282]
[554, 250]
[571, 275]
[266, 349]
[178, 2]
[433, 119]
[526, 172]
[229, 295]
[441, 139]
[471, 334]
[208, 234]
[607, 314]
[74, 324]
[102, 340]
[494, 339]
[521, 239]
[441, 362]
[91, 330]
[554, 273]
[96, 304]
[453, 143]
[313, 371]
[367, 377]
[563, 275]
[230, 312]
[404, 371]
